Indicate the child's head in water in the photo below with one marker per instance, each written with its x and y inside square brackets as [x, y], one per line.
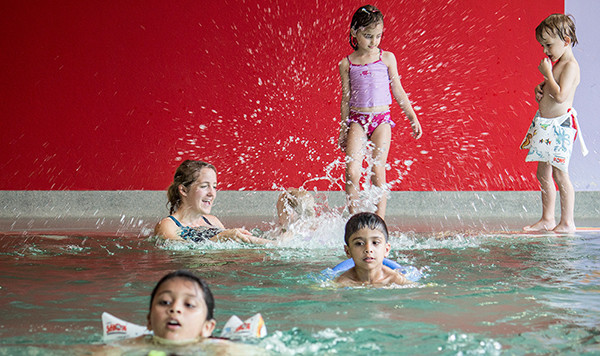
[365, 220]
[366, 239]
[367, 16]
[295, 204]
[181, 308]
[367, 245]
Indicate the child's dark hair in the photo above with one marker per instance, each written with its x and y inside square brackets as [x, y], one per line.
[365, 16]
[365, 220]
[208, 296]
[558, 25]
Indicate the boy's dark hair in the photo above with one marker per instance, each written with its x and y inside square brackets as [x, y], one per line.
[208, 296]
[365, 220]
[365, 16]
[558, 25]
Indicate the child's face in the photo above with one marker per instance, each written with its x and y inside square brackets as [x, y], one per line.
[553, 46]
[368, 248]
[368, 38]
[178, 311]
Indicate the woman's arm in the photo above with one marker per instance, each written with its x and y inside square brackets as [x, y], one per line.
[239, 235]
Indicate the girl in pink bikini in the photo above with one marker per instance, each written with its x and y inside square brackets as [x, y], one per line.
[366, 75]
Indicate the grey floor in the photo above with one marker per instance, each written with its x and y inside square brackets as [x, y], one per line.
[138, 211]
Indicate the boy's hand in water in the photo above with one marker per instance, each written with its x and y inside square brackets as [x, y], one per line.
[539, 92]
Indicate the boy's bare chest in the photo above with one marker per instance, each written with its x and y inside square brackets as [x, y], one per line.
[557, 71]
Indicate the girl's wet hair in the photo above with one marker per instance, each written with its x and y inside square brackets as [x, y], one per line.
[365, 220]
[301, 202]
[365, 16]
[207, 294]
[185, 175]
[557, 25]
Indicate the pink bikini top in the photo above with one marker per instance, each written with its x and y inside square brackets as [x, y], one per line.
[369, 84]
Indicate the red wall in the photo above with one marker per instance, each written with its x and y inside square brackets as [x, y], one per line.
[111, 95]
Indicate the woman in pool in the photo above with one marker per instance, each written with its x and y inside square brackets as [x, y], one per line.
[191, 197]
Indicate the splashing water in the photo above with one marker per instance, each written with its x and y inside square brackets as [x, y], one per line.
[324, 225]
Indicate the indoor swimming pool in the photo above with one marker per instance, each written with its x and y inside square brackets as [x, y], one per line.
[481, 292]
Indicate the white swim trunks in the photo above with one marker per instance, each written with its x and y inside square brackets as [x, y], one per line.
[551, 140]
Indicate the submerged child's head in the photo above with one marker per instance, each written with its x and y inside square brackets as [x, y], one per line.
[181, 308]
[557, 25]
[365, 220]
[365, 16]
[301, 202]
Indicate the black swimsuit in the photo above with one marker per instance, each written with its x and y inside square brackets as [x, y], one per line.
[197, 234]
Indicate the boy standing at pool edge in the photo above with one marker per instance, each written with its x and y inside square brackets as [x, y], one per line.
[554, 128]
[366, 238]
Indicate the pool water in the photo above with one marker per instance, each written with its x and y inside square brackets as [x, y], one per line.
[483, 293]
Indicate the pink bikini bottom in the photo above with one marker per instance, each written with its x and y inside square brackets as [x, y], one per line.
[370, 120]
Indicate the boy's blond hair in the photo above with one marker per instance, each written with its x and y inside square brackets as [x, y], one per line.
[557, 25]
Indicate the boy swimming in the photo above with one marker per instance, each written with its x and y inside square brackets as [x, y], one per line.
[366, 239]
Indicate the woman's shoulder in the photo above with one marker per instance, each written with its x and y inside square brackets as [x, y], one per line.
[166, 222]
[166, 228]
[214, 221]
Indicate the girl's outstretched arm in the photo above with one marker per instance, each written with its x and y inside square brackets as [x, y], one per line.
[400, 95]
[345, 105]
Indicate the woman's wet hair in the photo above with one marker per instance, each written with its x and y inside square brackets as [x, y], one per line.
[207, 294]
[365, 220]
[364, 17]
[185, 175]
[559, 25]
